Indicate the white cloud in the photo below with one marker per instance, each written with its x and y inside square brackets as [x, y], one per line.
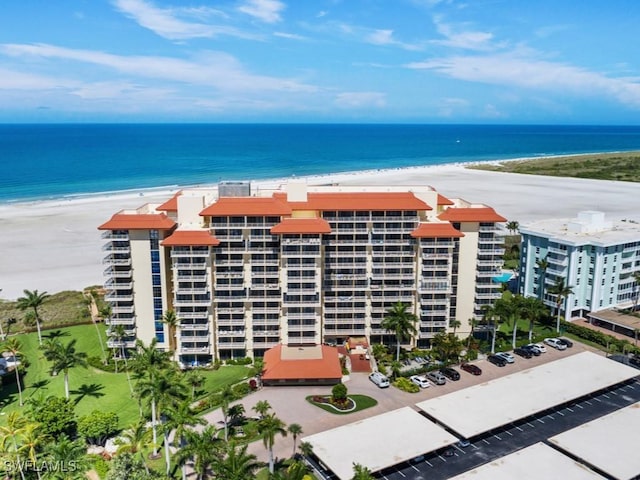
[267, 11]
[16, 80]
[467, 40]
[166, 22]
[212, 69]
[360, 99]
[449, 107]
[532, 73]
[291, 36]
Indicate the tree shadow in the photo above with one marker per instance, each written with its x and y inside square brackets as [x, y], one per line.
[53, 334]
[85, 390]
[36, 386]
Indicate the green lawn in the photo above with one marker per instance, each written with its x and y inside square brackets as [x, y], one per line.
[90, 388]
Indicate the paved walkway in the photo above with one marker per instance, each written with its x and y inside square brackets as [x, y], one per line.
[289, 404]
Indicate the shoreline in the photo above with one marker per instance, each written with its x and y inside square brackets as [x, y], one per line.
[54, 245]
[315, 179]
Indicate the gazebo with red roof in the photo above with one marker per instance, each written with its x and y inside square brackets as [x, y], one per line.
[301, 365]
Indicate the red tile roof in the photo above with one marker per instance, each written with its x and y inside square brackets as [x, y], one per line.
[471, 214]
[170, 205]
[137, 221]
[301, 225]
[442, 200]
[358, 201]
[244, 206]
[275, 368]
[196, 238]
[436, 230]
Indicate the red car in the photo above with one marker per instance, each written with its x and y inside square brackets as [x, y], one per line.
[472, 369]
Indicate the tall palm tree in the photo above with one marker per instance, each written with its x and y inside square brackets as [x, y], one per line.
[295, 430]
[171, 320]
[194, 379]
[561, 292]
[105, 313]
[507, 309]
[542, 265]
[268, 428]
[226, 397]
[178, 418]
[400, 322]
[473, 323]
[14, 346]
[360, 472]
[164, 390]
[201, 448]
[262, 407]
[532, 309]
[147, 358]
[65, 451]
[134, 440]
[513, 226]
[455, 324]
[489, 315]
[33, 300]
[306, 449]
[31, 440]
[63, 358]
[236, 463]
[119, 333]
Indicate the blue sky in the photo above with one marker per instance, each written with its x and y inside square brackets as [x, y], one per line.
[424, 61]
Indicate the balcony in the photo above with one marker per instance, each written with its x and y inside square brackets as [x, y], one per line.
[300, 241]
[117, 310]
[121, 343]
[204, 326]
[488, 273]
[114, 285]
[232, 333]
[187, 300]
[116, 249]
[110, 235]
[229, 274]
[434, 301]
[434, 286]
[488, 229]
[127, 321]
[192, 315]
[562, 261]
[490, 251]
[303, 328]
[115, 261]
[115, 273]
[119, 297]
[230, 322]
[302, 315]
[232, 345]
[558, 251]
[237, 310]
[194, 348]
[187, 253]
[189, 266]
[266, 343]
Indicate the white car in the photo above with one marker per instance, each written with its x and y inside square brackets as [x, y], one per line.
[507, 357]
[420, 380]
[555, 343]
[538, 346]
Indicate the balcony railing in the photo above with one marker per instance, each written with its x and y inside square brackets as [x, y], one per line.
[113, 285]
[114, 273]
[192, 315]
[113, 249]
[194, 326]
[111, 260]
[197, 348]
[109, 235]
[117, 310]
[232, 345]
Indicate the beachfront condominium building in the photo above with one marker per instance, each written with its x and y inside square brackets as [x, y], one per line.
[245, 269]
[597, 258]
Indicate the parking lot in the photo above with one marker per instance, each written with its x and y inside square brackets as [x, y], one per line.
[500, 442]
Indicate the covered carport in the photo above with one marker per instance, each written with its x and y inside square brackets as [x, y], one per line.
[608, 443]
[378, 442]
[490, 405]
[539, 461]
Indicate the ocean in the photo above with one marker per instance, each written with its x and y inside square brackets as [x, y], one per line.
[53, 161]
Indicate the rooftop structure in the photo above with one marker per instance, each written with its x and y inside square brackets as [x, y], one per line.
[378, 442]
[596, 257]
[311, 365]
[608, 443]
[581, 374]
[246, 269]
[531, 463]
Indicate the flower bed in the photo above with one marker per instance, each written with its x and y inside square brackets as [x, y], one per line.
[354, 403]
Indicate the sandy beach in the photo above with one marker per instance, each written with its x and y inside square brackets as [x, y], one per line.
[55, 245]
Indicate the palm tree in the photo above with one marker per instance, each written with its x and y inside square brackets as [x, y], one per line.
[401, 322]
[13, 429]
[455, 324]
[105, 314]
[512, 226]
[295, 430]
[201, 448]
[65, 451]
[194, 379]
[171, 320]
[561, 291]
[306, 449]
[147, 358]
[542, 265]
[177, 420]
[119, 333]
[532, 309]
[63, 358]
[360, 472]
[31, 440]
[163, 389]
[226, 397]
[268, 428]
[14, 346]
[296, 470]
[33, 300]
[261, 408]
[489, 315]
[134, 440]
[473, 323]
[236, 463]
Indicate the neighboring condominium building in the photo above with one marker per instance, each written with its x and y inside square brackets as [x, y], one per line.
[595, 257]
[296, 265]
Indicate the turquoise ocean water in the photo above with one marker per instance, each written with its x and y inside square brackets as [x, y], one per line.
[52, 161]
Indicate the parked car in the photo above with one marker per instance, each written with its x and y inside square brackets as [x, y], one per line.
[496, 360]
[523, 352]
[471, 368]
[538, 346]
[507, 357]
[450, 373]
[566, 341]
[420, 380]
[555, 343]
[464, 443]
[533, 350]
[379, 379]
[437, 378]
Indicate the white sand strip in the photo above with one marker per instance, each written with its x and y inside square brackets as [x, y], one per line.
[55, 245]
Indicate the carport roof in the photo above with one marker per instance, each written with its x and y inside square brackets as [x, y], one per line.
[608, 443]
[504, 400]
[378, 442]
[534, 462]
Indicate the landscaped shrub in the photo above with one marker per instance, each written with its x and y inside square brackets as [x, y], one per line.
[241, 389]
[339, 392]
[406, 385]
[96, 362]
[239, 361]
